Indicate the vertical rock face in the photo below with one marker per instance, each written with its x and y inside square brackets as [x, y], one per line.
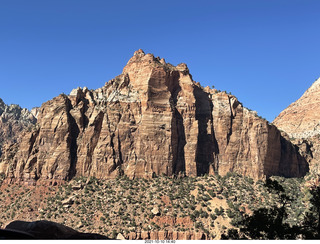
[14, 120]
[301, 119]
[152, 119]
[301, 122]
[249, 145]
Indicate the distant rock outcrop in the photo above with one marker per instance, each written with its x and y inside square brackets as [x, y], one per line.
[301, 122]
[13, 121]
[152, 119]
[167, 235]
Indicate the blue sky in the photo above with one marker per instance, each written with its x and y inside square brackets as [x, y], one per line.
[266, 52]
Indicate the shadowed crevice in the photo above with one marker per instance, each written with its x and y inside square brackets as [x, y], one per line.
[33, 138]
[178, 137]
[206, 144]
[73, 134]
[97, 124]
[292, 164]
[179, 164]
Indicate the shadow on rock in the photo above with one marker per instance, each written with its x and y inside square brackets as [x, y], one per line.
[44, 230]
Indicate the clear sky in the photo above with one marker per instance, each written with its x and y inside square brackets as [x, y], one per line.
[265, 52]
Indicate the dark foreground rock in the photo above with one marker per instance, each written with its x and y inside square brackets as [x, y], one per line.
[43, 229]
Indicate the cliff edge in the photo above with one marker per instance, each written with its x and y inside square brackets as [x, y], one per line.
[152, 119]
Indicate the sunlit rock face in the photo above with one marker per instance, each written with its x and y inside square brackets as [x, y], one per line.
[301, 122]
[14, 120]
[153, 119]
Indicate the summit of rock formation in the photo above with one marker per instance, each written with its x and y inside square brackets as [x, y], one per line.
[301, 121]
[152, 119]
[13, 121]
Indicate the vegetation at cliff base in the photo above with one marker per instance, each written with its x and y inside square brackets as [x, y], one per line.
[229, 207]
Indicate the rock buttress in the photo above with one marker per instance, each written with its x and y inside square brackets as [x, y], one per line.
[153, 119]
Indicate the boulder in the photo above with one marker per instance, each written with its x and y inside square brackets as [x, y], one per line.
[48, 230]
[120, 237]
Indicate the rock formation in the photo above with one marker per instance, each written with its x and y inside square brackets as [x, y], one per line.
[167, 235]
[152, 119]
[13, 121]
[44, 230]
[301, 122]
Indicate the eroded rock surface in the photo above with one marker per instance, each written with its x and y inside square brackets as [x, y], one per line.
[167, 235]
[14, 120]
[301, 122]
[152, 119]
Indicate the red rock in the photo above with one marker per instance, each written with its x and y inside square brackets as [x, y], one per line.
[145, 235]
[154, 235]
[151, 119]
[133, 236]
[300, 121]
[14, 122]
[163, 235]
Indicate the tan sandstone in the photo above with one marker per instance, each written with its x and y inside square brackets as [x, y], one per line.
[153, 119]
[301, 122]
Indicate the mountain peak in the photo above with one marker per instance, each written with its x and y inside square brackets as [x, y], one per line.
[152, 119]
[301, 119]
[139, 52]
[314, 87]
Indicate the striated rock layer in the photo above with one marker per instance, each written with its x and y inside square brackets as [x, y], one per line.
[14, 120]
[152, 119]
[301, 122]
[167, 235]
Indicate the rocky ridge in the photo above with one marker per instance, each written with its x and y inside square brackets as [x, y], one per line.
[14, 120]
[153, 119]
[300, 119]
[301, 122]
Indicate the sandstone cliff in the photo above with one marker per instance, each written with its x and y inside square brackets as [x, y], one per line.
[151, 119]
[301, 121]
[13, 121]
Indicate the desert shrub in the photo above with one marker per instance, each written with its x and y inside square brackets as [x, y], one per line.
[204, 214]
[212, 193]
[213, 216]
[198, 225]
[219, 211]
[201, 187]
